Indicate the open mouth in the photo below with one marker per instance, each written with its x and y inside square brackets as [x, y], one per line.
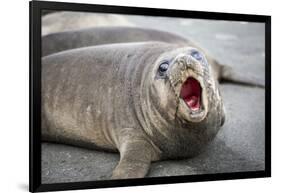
[191, 93]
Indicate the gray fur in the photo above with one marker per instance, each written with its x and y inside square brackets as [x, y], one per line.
[62, 41]
[62, 21]
[111, 97]
[57, 42]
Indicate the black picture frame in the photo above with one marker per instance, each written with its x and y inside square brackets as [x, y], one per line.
[35, 8]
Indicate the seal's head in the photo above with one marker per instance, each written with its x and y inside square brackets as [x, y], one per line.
[183, 84]
[181, 107]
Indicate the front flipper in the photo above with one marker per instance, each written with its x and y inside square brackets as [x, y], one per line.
[136, 154]
[228, 74]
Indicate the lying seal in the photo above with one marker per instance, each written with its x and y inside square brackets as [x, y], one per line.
[69, 20]
[62, 41]
[149, 101]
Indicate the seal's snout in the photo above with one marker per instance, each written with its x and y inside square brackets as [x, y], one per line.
[188, 80]
[191, 93]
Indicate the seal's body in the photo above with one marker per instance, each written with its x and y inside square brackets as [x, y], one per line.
[62, 21]
[62, 41]
[149, 101]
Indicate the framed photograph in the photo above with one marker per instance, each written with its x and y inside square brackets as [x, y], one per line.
[126, 96]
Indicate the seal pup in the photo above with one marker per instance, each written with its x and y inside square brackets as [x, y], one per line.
[61, 41]
[149, 101]
[70, 20]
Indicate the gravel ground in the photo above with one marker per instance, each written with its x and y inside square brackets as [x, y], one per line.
[239, 146]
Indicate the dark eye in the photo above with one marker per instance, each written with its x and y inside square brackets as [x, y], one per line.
[197, 55]
[163, 67]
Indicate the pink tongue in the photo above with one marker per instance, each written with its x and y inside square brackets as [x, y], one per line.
[193, 102]
[191, 93]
